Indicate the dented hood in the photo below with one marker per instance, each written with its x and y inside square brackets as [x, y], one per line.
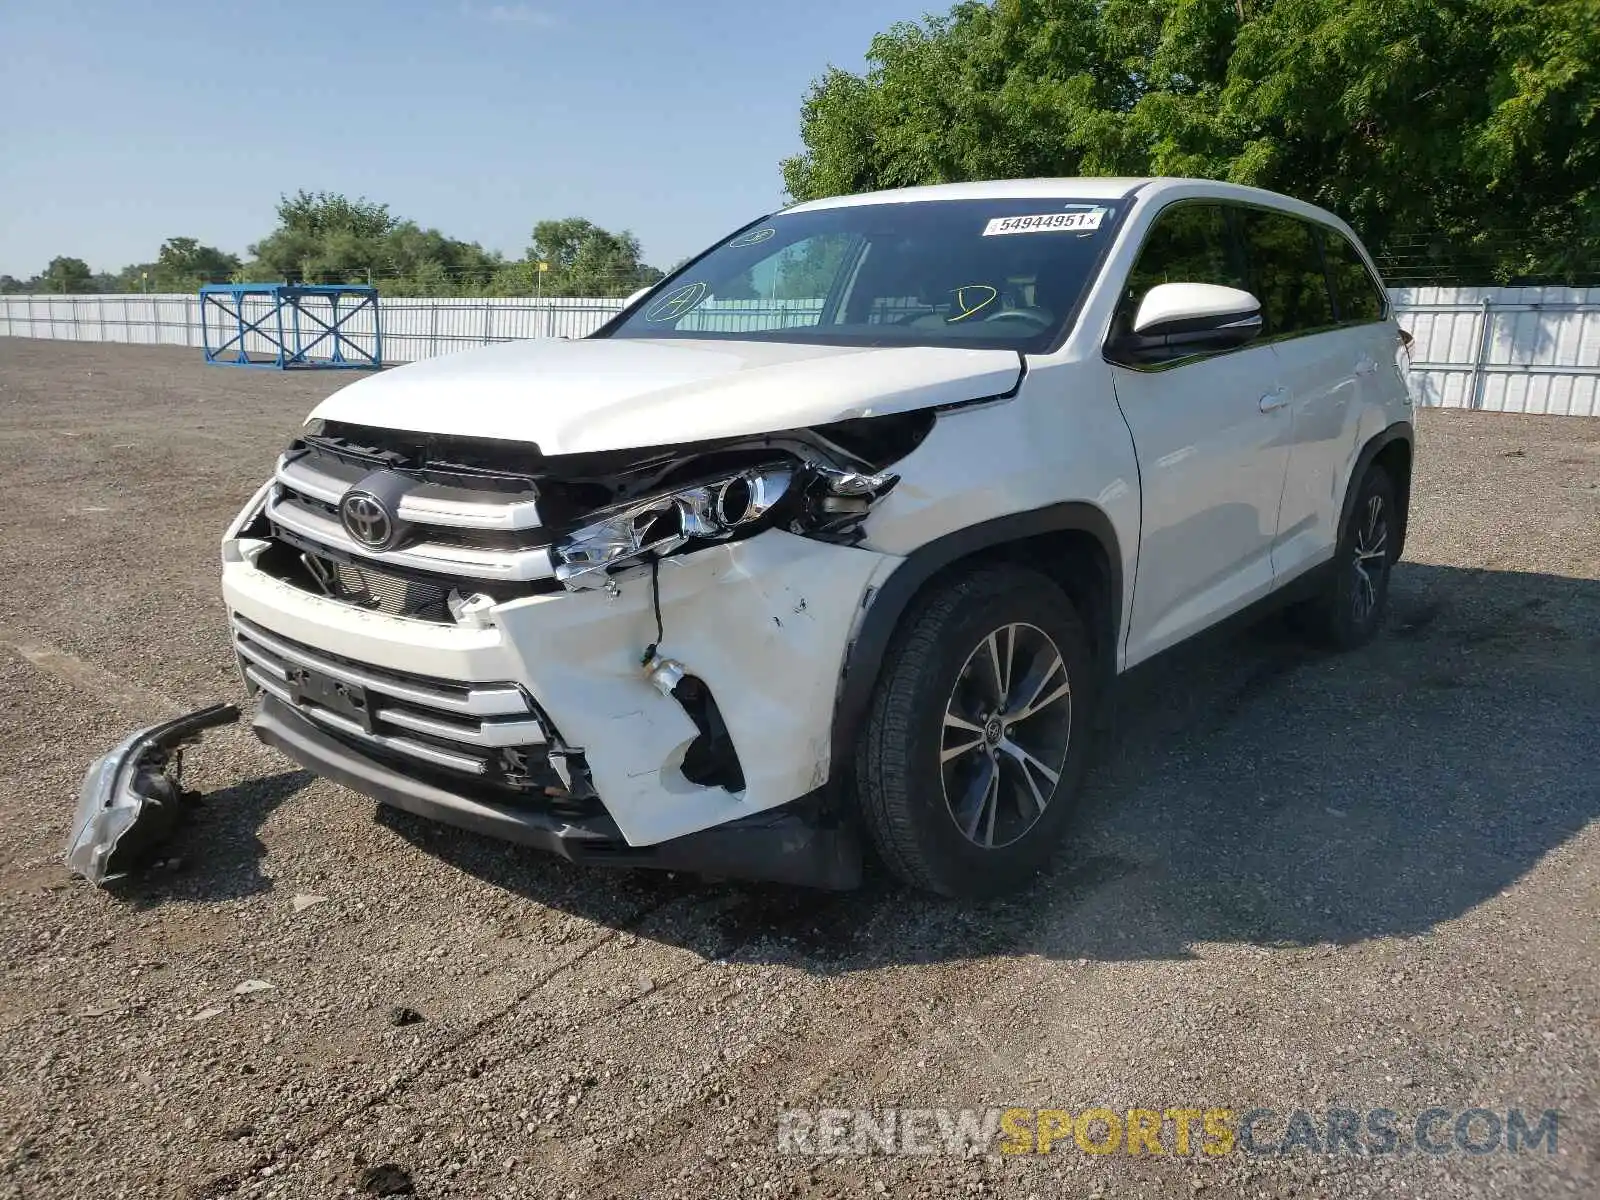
[573, 397]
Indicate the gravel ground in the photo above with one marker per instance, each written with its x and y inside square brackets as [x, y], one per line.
[1296, 882]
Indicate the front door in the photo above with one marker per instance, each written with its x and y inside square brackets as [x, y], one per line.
[1212, 433]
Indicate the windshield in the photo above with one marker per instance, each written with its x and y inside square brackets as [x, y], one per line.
[1005, 274]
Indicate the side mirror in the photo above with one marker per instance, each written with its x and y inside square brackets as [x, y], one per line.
[1178, 319]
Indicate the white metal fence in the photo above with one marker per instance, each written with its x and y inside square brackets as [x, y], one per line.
[412, 328]
[1534, 350]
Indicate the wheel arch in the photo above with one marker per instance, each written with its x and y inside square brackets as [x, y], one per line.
[1073, 543]
[1392, 449]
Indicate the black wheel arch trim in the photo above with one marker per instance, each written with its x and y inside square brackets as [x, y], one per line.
[1400, 431]
[864, 658]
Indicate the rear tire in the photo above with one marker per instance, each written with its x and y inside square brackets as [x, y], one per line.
[978, 733]
[1353, 605]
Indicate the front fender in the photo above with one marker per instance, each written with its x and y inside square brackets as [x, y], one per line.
[888, 605]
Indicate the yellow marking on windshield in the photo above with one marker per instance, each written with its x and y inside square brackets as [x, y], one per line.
[990, 295]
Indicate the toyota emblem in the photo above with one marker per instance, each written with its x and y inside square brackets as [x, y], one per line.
[366, 519]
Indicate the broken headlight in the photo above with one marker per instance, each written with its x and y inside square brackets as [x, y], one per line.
[805, 498]
[629, 534]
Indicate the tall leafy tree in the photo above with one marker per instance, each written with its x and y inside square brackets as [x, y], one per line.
[425, 262]
[584, 260]
[324, 237]
[67, 275]
[1452, 133]
[318, 214]
[183, 264]
[136, 277]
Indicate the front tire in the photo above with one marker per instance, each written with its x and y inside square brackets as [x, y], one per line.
[977, 735]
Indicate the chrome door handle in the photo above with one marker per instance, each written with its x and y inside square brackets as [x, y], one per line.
[1273, 401]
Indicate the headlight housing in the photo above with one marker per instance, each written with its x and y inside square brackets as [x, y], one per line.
[811, 499]
[629, 534]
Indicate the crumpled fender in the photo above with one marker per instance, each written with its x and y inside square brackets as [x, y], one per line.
[131, 797]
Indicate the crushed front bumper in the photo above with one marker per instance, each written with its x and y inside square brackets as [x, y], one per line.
[801, 843]
[761, 624]
[131, 796]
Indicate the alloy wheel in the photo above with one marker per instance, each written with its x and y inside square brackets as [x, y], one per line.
[1007, 728]
[1370, 557]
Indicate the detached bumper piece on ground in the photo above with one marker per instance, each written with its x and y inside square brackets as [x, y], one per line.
[132, 796]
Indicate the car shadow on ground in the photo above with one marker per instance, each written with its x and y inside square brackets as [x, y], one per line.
[215, 852]
[1250, 790]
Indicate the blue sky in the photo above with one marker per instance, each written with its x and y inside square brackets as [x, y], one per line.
[129, 121]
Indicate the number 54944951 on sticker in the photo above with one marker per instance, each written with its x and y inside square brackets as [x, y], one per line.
[1057, 222]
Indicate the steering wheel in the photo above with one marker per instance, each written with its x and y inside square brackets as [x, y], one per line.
[1032, 315]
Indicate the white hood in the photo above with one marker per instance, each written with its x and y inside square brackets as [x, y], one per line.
[572, 397]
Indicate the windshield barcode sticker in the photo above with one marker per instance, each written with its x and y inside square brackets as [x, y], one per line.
[1069, 222]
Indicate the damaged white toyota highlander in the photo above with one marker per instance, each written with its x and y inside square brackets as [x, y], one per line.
[834, 539]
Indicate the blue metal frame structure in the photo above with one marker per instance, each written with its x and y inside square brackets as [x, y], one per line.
[289, 347]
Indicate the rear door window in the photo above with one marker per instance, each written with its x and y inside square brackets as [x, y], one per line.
[1356, 295]
[1286, 274]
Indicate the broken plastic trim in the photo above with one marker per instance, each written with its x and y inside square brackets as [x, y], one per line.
[131, 796]
[711, 760]
[838, 501]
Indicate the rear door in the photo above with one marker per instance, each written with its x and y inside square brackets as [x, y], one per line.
[1212, 446]
[1319, 366]
[1362, 309]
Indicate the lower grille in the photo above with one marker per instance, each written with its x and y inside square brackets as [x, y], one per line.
[367, 588]
[489, 733]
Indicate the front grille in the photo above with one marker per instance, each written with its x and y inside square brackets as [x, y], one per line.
[444, 535]
[482, 537]
[485, 735]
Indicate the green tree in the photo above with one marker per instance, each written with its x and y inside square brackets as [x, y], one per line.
[183, 264]
[586, 260]
[317, 214]
[67, 275]
[1464, 132]
[136, 277]
[324, 237]
[424, 262]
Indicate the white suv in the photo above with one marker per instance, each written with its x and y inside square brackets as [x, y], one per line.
[844, 528]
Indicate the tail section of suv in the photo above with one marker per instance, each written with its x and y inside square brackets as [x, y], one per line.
[838, 534]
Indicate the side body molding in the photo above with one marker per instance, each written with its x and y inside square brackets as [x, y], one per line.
[888, 606]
